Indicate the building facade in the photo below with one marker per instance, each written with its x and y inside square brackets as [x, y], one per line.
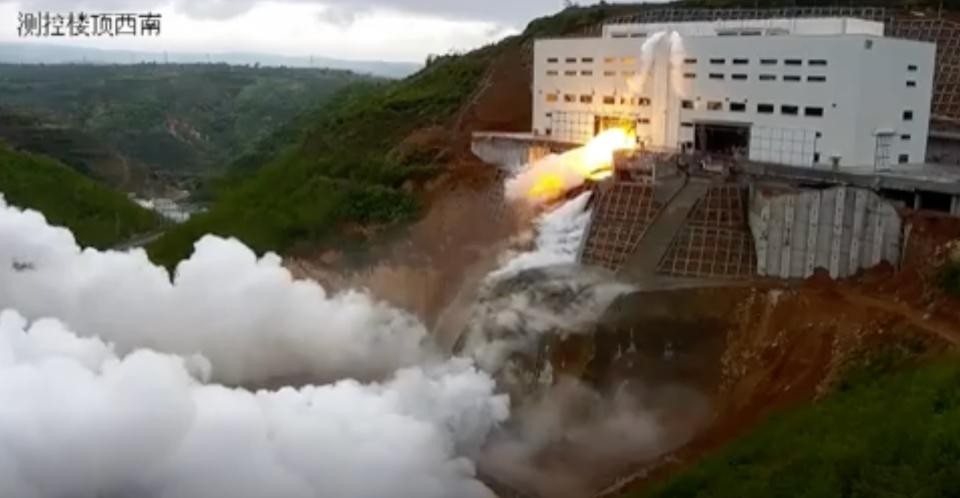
[800, 92]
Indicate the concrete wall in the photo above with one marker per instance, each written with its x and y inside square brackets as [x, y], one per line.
[841, 230]
[506, 151]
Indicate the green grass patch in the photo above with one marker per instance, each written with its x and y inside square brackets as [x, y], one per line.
[97, 216]
[880, 435]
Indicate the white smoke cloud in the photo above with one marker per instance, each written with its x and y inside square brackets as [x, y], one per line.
[559, 235]
[79, 420]
[248, 316]
[539, 292]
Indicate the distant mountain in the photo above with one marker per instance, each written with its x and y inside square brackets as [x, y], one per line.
[36, 53]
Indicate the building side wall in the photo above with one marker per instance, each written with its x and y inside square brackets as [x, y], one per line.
[807, 99]
[885, 97]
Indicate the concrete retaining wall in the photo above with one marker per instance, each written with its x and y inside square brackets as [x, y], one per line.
[508, 151]
[841, 230]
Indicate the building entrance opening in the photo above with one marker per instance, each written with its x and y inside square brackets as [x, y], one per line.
[603, 123]
[727, 140]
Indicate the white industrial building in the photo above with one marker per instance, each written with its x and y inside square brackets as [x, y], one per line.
[800, 92]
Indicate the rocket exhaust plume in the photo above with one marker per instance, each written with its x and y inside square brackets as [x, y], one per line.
[551, 176]
[126, 408]
[247, 316]
[80, 420]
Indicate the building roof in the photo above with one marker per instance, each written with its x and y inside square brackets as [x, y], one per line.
[752, 27]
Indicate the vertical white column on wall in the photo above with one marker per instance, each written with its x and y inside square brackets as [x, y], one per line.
[813, 230]
[879, 230]
[859, 211]
[763, 230]
[787, 237]
[838, 214]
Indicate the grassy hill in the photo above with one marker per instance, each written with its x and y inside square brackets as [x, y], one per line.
[180, 118]
[99, 217]
[881, 435]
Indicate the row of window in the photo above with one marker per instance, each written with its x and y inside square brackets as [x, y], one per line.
[816, 78]
[742, 61]
[590, 60]
[607, 99]
[785, 109]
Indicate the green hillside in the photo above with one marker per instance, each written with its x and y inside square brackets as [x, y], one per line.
[343, 166]
[99, 217]
[882, 435]
[174, 118]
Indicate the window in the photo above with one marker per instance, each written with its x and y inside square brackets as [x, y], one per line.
[569, 98]
[718, 61]
[609, 60]
[687, 104]
[912, 68]
[905, 137]
[552, 60]
[911, 84]
[619, 35]
[768, 77]
[789, 110]
[793, 62]
[570, 73]
[689, 61]
[908, 115]
[765, 108]
[644, 121]
[868, 44]
[791, 77]
[768, 62]
[714, 106]
[716, 76]
[738, 107]
[740, 62]
[547, 131]
[816, 158]
[586, 99]
[609, 73]
[571, 60]
[643, 101]
[586, 73]
[903, 158]
[817, 62]
[686, 125]
[740, 77]
[552, 73]
[628, 60]
[629, 73]
[552, 97]
[817, 79]
[813, 112]
[690, 76]
[587, 60]
[610, 100]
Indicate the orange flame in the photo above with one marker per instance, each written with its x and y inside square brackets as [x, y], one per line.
[593, 161]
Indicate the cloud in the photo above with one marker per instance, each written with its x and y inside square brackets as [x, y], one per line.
[502, 11]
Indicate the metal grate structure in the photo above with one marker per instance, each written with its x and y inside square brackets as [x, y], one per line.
[621, 215]
[715, 241]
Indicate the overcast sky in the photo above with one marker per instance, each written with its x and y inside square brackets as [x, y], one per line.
[396, 30]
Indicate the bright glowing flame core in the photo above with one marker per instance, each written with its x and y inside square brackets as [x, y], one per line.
[593, 161]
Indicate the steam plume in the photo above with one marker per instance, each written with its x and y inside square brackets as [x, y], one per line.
[79, 420]
[248, 316]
